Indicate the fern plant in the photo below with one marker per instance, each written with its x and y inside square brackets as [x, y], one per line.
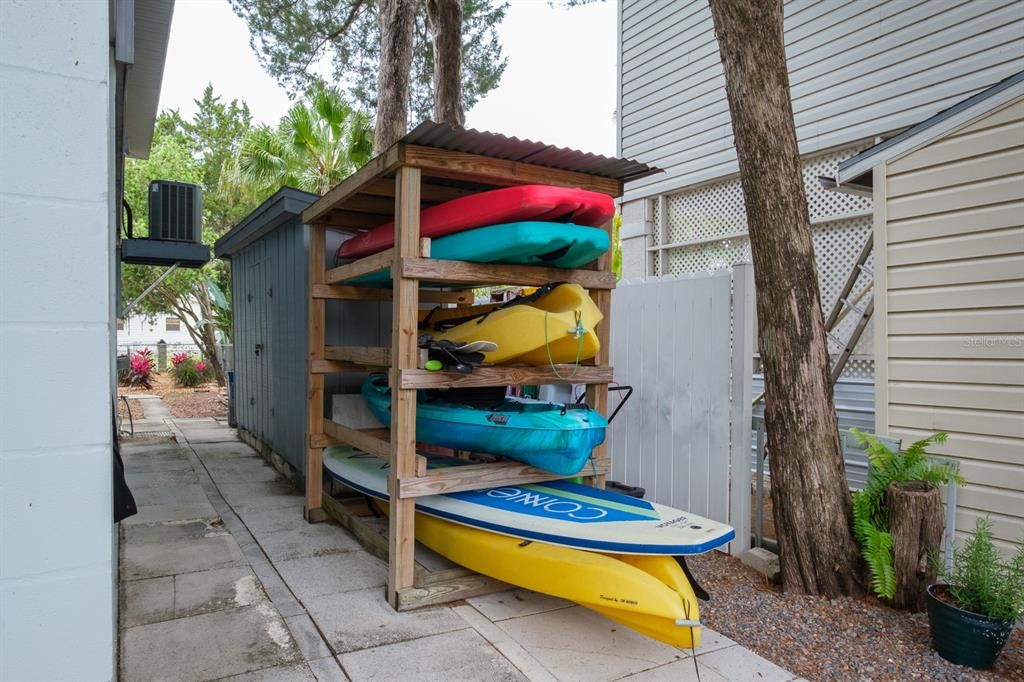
[870, 512]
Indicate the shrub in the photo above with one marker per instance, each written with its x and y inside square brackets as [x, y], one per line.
[178, 358]
[980, 582]
[870, 513]
[186, 372]
[141, 364]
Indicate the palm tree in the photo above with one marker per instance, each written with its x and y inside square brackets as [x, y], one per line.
[319, 143]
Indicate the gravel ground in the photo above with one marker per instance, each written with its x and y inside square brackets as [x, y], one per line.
[209, 403]
[842, 639]
[208, 400]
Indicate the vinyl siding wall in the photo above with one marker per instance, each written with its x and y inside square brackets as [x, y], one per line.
[952, 227]
[857, 70]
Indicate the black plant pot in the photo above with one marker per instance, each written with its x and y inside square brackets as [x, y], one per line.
[963, 637]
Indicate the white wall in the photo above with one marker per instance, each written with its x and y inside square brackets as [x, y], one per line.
[142, 330]
[56, 532]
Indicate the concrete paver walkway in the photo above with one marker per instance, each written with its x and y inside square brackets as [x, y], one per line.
[221, 578]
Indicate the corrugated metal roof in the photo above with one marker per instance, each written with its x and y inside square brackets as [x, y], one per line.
[470, 141]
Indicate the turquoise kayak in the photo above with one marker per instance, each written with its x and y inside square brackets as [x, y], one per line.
[546, 435]
[555, 245]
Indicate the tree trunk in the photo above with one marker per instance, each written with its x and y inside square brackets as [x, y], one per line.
[209, 334]
[445, 17]
[916, 521]
[202, 333]
[812, 504]
[397, 19]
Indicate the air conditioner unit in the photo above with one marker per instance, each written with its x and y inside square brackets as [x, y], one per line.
[175, 211]
[175, 228]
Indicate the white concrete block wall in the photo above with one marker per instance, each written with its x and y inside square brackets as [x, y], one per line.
[57, 557]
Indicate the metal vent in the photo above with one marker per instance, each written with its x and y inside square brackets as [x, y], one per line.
[175, 211]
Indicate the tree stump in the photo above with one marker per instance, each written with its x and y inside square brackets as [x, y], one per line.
[916, 521]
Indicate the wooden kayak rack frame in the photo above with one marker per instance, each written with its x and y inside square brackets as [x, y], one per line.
[395, 186]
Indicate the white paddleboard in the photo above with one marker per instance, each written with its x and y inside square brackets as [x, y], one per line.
[556, 512]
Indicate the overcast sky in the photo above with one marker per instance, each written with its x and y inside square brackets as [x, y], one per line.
[559, 86]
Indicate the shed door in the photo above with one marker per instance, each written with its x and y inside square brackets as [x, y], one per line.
[266, 357]
[260, 348]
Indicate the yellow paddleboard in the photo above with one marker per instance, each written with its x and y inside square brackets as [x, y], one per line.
[649, 594]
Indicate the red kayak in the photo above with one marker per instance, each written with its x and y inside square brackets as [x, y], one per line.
[509, 205]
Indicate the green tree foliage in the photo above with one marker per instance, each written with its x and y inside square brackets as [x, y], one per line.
[300, 42]
[315, 146]
[197, 151]
[617, 245]
[870, 513]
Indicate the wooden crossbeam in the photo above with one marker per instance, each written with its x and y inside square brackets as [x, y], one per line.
[376, 442]
[464, 272]
[378, 356]
[478, 476]
[344, 292]
[363, 266]
[506, 376]
[339, 367]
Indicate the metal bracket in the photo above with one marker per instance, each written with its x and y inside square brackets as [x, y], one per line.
[163, 275]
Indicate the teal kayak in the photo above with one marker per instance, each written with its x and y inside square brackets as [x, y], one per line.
[549, 436]
[555, 245]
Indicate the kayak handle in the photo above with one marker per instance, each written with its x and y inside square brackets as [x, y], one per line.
[687, 623]
[629, 392]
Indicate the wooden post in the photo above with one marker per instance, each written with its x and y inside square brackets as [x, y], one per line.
[597, 394]
[315, 396]
[404, 355]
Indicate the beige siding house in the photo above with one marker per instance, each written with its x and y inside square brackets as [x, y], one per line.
[949, 293]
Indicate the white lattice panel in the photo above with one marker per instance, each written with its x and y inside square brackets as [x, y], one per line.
[710, 223]
[826, 204]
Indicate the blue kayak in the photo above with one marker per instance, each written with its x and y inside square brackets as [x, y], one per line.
[545, 435]
[555, 245]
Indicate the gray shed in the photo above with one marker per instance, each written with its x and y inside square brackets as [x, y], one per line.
[268, 251]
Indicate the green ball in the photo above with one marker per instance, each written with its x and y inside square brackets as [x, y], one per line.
[433, 365]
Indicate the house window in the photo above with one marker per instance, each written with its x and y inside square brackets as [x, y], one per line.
[173, 324]
[120, 325]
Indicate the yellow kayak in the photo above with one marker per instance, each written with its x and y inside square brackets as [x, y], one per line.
[560, 319]
[649, 594]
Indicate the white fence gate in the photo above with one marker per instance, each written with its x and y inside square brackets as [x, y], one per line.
[685, 345]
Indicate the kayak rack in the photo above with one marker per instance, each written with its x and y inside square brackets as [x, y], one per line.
[396, 185]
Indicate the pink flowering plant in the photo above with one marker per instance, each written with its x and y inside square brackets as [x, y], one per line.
[178, 358]
[141, 366]
[190, 371]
